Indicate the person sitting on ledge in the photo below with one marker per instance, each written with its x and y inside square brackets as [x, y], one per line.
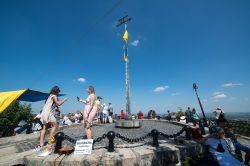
[195, 117]
[221, 148]
[238, 146]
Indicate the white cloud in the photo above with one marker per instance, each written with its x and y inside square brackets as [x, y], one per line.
[216, 93]
[176, 94]
[161, 88]
[81, 80]
[227, 85]
[135, 43]
[246, 98]
[219, 95]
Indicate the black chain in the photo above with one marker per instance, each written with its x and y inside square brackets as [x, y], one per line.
[132, 140]
[99, 139]
[68, 138]
[174, 135]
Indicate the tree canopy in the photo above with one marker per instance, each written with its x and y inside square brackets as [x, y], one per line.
[15, 113]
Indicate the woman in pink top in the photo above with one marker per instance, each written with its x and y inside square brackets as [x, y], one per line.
[89, 110]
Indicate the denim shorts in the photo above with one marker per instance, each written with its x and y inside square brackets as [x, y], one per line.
[243, 148]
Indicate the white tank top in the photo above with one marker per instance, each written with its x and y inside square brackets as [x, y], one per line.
[49, 105]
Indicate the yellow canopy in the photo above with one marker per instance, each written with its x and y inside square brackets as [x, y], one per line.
[7, 98]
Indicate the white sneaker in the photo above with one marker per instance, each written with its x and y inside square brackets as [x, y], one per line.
[37, 149]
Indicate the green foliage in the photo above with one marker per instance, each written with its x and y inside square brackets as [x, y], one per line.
[15, 113]
[178, 114]
[241, 127]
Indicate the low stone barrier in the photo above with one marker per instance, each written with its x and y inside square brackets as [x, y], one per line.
[167, 153]
[171, 151]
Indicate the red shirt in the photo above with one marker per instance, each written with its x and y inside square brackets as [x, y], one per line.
[140, 115]
[123, 115]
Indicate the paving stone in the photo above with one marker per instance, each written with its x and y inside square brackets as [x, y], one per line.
[77, 132]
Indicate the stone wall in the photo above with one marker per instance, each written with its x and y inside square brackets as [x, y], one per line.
[166, 154]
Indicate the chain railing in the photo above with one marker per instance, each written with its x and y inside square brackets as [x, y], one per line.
[133, 140]
[60, 136]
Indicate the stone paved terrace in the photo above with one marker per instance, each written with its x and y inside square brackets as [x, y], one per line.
[77, 132]
[17, 149]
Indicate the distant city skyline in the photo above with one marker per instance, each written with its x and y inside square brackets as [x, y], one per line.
[172, 44]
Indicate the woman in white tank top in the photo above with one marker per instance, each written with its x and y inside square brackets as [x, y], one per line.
[47, 115]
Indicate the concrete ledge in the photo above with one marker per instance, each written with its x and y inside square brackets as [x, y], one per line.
[165, 154]
[244, 137]
[14, 159]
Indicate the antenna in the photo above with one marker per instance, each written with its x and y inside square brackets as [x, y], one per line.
[123, 20]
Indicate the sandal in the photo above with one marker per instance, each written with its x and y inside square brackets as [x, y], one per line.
[51, 139]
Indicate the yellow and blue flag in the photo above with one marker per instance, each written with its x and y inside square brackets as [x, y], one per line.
[125, 36]
[125, 39]
[125, 56]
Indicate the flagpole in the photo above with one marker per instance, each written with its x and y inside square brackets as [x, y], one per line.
[130, 123]
[124, 21]
[127, 80]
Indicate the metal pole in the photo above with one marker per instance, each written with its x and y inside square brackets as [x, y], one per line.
[124, 21]
[204, 116]
[127, 81]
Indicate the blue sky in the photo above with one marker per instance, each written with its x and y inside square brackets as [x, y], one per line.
[172, 45]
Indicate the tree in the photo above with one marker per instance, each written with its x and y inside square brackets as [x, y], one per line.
[15, 113]
[180, 113]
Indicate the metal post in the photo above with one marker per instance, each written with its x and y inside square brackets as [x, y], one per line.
[204, 116]
[59, 138]
[111, 136]
[155, 135]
